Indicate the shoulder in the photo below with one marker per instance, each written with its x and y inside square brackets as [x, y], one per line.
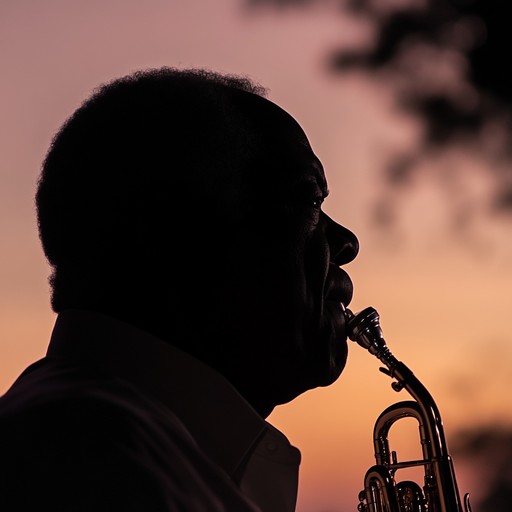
[57, 439]
[71, 410]
[78, 441]
[66, 434]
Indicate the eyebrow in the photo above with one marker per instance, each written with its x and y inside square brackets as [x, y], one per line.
[315, 179]
[320, 176]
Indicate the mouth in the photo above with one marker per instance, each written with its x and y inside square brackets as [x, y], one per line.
[338, 286]
[336, 339]
[336, 314]
[337, 296]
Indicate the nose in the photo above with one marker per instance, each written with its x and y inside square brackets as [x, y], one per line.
[343, 244]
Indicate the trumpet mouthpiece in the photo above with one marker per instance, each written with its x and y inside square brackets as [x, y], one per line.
[364, 328]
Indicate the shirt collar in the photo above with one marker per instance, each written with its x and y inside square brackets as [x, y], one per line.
[223, 424]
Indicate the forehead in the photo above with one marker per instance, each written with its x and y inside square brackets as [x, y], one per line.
[302, 166]
[288, 158]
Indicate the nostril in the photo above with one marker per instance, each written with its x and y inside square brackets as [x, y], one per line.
[343, 244]
[347, 252]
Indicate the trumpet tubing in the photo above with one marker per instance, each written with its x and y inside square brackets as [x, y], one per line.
[439, 491]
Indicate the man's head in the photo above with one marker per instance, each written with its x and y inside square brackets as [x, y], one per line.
[186, 203]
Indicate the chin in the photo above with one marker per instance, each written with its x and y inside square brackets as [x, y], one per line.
[332, 374]
[331, 365]
[320, 375]
[320, 366]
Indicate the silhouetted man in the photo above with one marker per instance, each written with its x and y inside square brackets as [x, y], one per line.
[197, 285]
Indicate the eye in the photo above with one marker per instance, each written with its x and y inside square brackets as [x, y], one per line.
[308, 197]
[317, 202]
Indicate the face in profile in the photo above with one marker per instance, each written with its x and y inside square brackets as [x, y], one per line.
[285, 281]
[208, 232]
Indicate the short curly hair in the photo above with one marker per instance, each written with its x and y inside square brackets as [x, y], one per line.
[121, 156]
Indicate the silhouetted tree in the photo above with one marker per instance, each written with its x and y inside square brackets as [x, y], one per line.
[449, 65]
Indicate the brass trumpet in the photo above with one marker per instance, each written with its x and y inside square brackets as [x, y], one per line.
[439, 492]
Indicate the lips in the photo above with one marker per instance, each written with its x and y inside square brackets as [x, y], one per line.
[337, 296]
[337, 317]
[337, 339]
[338, 286]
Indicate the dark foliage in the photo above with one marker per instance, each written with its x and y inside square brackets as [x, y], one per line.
[457, 104]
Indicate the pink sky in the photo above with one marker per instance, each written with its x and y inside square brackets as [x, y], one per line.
[444, 303]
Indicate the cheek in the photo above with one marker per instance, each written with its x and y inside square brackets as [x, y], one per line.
[316, 265]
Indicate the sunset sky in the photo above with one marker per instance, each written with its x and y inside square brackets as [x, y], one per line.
[444, 296]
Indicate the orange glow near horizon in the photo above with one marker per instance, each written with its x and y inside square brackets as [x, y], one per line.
[444, 304]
